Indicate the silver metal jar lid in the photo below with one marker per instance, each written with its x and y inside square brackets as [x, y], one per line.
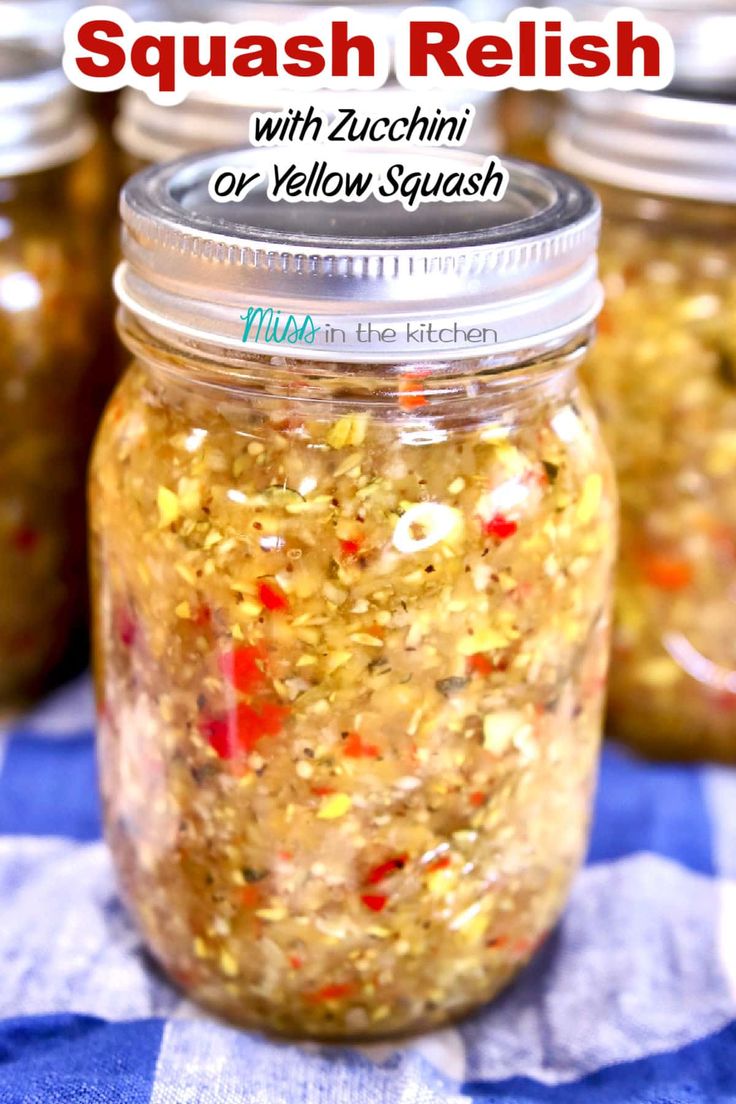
[703, 31]
[665, 145]
[43, 119]
[41, 22]
[484, 278]
[208, 119]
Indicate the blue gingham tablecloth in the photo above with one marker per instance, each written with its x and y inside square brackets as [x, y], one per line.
[632, 1000]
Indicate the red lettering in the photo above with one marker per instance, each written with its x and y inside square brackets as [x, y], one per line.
[489, 56]
[342, 44]
[421, 49]
[215, 64]
[164, 64]
[627, 45]
[259, 57]
[307, 61]
[553, 50]
[527, 48]
[89, 39]
[590, 50]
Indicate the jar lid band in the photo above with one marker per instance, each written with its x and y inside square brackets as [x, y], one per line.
[703, 33]
[206, 118]
[41, 22]
[44, 123]
[360, 281]
[665, 145]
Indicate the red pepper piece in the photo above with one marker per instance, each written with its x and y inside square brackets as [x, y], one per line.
[376, 902]
[500, 527]
[480, 664]
[604, 323]
[126, 627]
[725, 701]
[295, 962]
[250, 896]
[271, 597]
[410, 389]
[477, 798]
[517, 946]
[390, 866]
[498, 941]
[441, 863]
[670, 573]
[409, 398]
[243, 666]
[219, 736]
[350, 548]
[355, 748]
[25, 539]
[239, 732]
[335, 991]
[202, 616]
[252, 724]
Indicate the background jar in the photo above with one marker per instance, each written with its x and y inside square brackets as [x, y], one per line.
[702, 34]
[149, 133]
[351, 607]
[663, 377]
[49, 373]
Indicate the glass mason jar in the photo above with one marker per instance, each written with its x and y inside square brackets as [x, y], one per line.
[526, 121]
[49, 336]
[663, 375]
[351, 593]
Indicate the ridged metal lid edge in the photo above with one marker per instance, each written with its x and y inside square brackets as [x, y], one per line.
[676, 146]
[517, 281]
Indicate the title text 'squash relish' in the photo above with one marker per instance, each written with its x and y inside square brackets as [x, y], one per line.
[352, 598]
[663, 376]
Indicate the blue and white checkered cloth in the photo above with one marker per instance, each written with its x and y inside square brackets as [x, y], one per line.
[632, 1001]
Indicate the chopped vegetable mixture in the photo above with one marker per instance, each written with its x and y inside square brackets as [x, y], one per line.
[50, 392]
[351, 656]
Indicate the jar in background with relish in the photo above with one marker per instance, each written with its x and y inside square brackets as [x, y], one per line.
[353, 530]
[50, 299]
[663, 376]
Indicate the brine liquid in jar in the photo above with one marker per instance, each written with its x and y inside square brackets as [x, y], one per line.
[351, 595]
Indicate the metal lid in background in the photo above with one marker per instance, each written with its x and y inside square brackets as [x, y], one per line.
[287, 11]
[41, 22]
[43, 119]
[703, 31]
[517, 273]
[152, 132]
[665, 145]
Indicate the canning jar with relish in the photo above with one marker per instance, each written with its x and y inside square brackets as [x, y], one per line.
[50, 296]
[663, 376]
[352, 534]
